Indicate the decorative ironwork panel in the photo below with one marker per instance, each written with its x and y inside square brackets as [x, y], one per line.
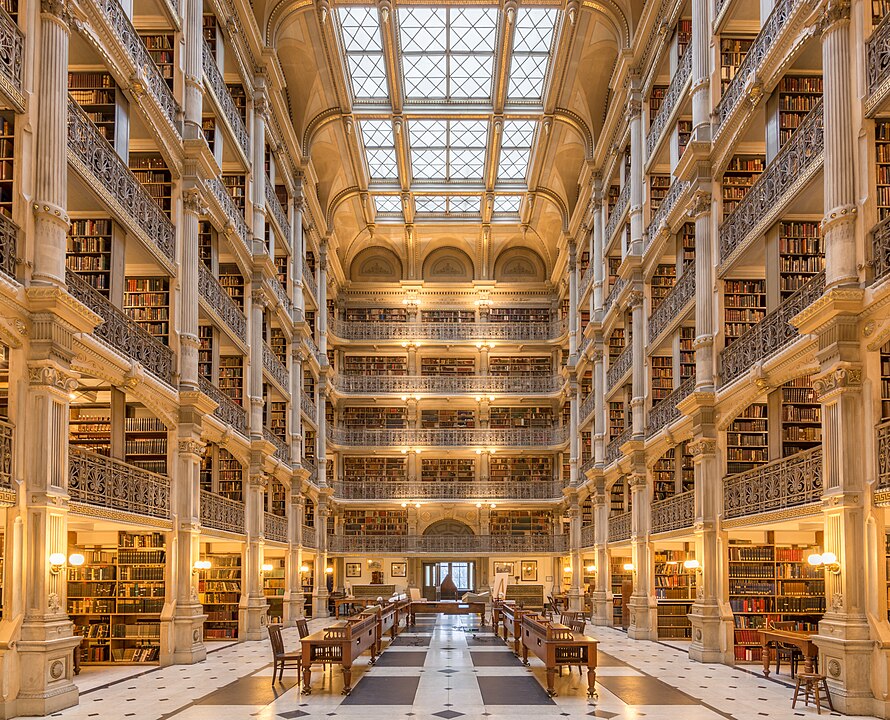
[308, 406]
[588, 536]
[676, 190]
[7, 435]
[587, 407]
[105, 482]
[445, 490]
[224, 99]
[12, 43]
[674, 513]
[120, 332]
[619, 369]
[780, 484]
[440, 384]
[770, 335]
[797, 157]
[616, 290]
[275, 527]
[227, 410]
[232, 213]
[310, 539]
[586, 281]
[677, 300]
[664, 412]
[877, 52]
[221, 513]
[619, 526]
[309, 281]
[613, 449]
[588, 464]
[883, 445]
[460, 437]
[880, 248]
[447, 544]
[282, 449]
[276, 369]
[669, 103]
[310, 342]
[274, 204]
[100, 160]
[9, 235]
[281, 294]
[221, 303]
[313, 470]
[617, 214]
[411, 331]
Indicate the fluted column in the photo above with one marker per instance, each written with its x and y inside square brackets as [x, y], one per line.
[320, 591]
[599, 409]
[258, 176]
[576, 601]
[321, 437]
[296, 393]
[51, 196]
[257, 306]
[705, 326]
[253, 606]
[636, 169]
[323, 301]
[643, 613]
[193, 69]
[602, 594]
[701, 69]
[193, 207]
[299, 254]
[574, 430]
[293, 586]
[573, 300]
[599, 267]
[638, 376]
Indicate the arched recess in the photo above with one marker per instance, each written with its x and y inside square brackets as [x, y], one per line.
[448, 264]
[376, 264]
[448, 528]
[519, 265]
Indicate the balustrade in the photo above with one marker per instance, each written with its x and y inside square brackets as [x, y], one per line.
[221, 513]
[445, 490]
[588, 536]
[308, 406]
[309, 465]
[310, 539]
[276, 369]
[588, 464]
[12, 43]
[104, 482]
[672, 305]
[275, 527]
[587, 407]
[278, 213]
[877, 53]
[102, 168]
[880, 249]
[230, 112]
[617, 214]
[674, 513]
[669, 103]
[619, 527]
[446, 385]
[619, 369]
[344, 544]
[586, 281]
[659, 219]
[309, 281]
[9, 234]
[7, 435]
[463, 437]
[777, 485]
[616, 290]
[613, 449]
[231, 213]
[313, 348]
[221, 303]
[120, 332]
[882, 433]
[282, 449]
[770, 335]
[665, 411]
[469, 332]
[227, 410]
[281, 295]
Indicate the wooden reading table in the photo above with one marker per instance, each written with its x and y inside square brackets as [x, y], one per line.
[511, 617]
[798, 638]
[556, 645]
[341, 644]
[447, 607]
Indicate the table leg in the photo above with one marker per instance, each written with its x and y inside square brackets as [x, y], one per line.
[347, 679]
[809, 663]
[524, 655]
[307, 677]
[765, 657]
[591, 682]
[551, 676]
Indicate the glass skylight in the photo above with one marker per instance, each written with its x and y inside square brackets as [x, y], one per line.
[516, 145]
[448, 149]
[447, 204]
[532, 44]
[360, 30]
[507, 204]
[447, 52]
[388, 204]
[380, 149]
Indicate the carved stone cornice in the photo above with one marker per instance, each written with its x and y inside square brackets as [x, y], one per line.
[838, 380]
[52, 377]
[191, 446]
[835, 12]
[702, 447]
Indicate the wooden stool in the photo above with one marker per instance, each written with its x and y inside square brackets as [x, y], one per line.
[815, 683]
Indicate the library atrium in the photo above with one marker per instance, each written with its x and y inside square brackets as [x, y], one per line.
[396, 358]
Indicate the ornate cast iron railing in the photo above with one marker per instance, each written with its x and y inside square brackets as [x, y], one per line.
[281, 294]
[120, 332]
[616, 290]
[588, 464]
[224, 100]
[276, 369]
[780, 484]
[463, 437]
[613, 449]
[445, 490]
[278, 213]
[7, 435]
[440, 384]
[587, 407]
[669, 103]
[770, 335]
[310, 342]
[619, 527]
[309, 280]
[282, 449]
[620, 367]
[447, 543]
[232, 213]
[275, 527]
[220, 513]
[883, 445]
[588, 536]
[149, 77]
[674, 513]
[680, 296]
[787, 173]
[227, 410]
[617, 214]
[766, 39]
[308, 405]
[9, 235]
[310, 539]
[310, 466]
[664, 412]
[877, 52]
[12, 43]
[98, 160]
[221, 303]
[586, 280]
[678, 187]
[412, 331]
[108, 483]
[880, 248]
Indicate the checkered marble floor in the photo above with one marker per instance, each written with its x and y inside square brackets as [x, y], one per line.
[444, 668]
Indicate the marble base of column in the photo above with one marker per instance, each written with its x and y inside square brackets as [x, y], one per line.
[602, 609]
[188, 634]
[845, 658]
[252, 618]
[293, 609]
[320, 604]
[576, 600]
[643, 618]
[46, 666]
[712, 634]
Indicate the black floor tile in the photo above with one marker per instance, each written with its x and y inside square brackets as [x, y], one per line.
[411, 641]
[643, 690]
[383, 691]
[250, 690]
[512, 691]
[495, 659]
[604, 660]
[485, 641]
[401, 659]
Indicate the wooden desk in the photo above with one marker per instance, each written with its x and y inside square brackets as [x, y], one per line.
[557, 645]
[799, 639]
[511, 617]
[350, 600]
[447, 607]
[341, 644]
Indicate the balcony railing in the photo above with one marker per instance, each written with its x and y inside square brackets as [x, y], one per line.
[770, 335]
[678, 187]
[446, 384]
[403, 544]
[789, 171]
[613, 449]
[309, 281]
[310, 342]
[669, 103]
[588, 536]
[617, 214]
[445, 490]
[883, 445]
[220, 513]
[7, 435]
[586, 280]
[282, 449]
[877, 52]
[310, 466]
[104, 170]
[275, 527]
[149, 77]
[588, 464]
[221, 303]
[310, 539]
[227, 410]
[281, 294]
[673, 304]
[120, 332]
[108, 483]
[276, 369]
[9, 235]
[230, 112]
[880, 248]
[278, 213]
[587, 407]
[780, 484]
[12, 43]
[674, 513]
[619, 527]
[230, 211]
[665, 411]
[616, 290]
[308, 406]
[349, 330]
[619, 369]
[461, 437]
[765, 40]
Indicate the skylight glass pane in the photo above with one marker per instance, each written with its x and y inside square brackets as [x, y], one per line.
[429, 204]
[532, 44]
[515, 149]
[379, 149]
[422, 29]
[388, 204]
[473, 29]
[534, 30]
[527, 75]
[504, 204]
[463, 204]
[448, 149]
[424, 76]
[360, 31]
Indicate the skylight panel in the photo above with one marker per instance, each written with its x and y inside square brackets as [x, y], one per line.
[380, 149]
[388, 204]
[516, 145]
[532, 45]
[463, 204]
[430, 204]
[360, 31]
[447, 204]
[507, 204]
[448, 149]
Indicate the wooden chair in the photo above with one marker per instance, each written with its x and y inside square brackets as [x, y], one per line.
[302, 627]
[577, 625]
[813, 683]
[789, 652]
[282, 659]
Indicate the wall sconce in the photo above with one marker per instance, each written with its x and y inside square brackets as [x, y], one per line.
[480, 505]
[484, 345]
[567, 569]
[266, 567]
[57, 561]
[628, 567]
[304, 568]
[827, 560]
[590, 569]
[692, 565]
[199, 566]
[329, 570]
[416, 505]
[412, 301]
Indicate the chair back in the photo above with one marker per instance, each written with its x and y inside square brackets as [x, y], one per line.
[275, 639]
[577, 626]
[302, 628]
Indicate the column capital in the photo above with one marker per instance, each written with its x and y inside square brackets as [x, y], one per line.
[192, 446]
[51, 377]
[701, 204]
[842, 379]
[193, 202]
[702, 447]
[58, 9]
[834, 12]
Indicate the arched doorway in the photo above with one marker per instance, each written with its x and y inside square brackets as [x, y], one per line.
[462, 572]
[448, 528]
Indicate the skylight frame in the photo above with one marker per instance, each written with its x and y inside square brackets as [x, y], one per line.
[380, 149]
[459, 146]
[447, 206]
[531, 57]
[362, 45]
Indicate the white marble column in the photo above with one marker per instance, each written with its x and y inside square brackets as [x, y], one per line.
[602, 594]
[576, 601]
[643, 613]
[323, 302]
[192, 208]
[293, 585]
[638, 372]
[258, 304]
[258, 176]
[320, 591]
[572, 266]
[636, 169]
[299, 253]
[253, 607]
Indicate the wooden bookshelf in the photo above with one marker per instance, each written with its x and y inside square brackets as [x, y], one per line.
[147, 302]
[89, 251]
[664, 476]
[375, 522]
[205, 351]
[732, 52]
[208, 128]
[683, 32]
[684, 132]
[662, 281]
[282, 267]
[517, 417]
[744, 306]
[658, 188]
[162, 51]
[801, 417]
[145, 440]
[447, 316]
[235, 184]
[615, 343]
[801, 255]
[89, 428]
[879, 9]
[672, 580]
[309, 445]
[882, 167]
[687, 468]
[885, 381]
[520, 467]
[619, 576]
[738, 178]
[520, 366]
[376, 315]
[375, 469]
[278, 343]
[617, 419]
[447, 419]
[798, 94]
[152, 173]
[273, 589]
[375, 365]
[656, 98]
[277, 420]
[747, 444]
[521, 522]
[661, 369]
[586, 446]
[239, 99]
[96, 93]
[276, 498]
[687, 244]
[448, 366]
[687, 353]
[448, 469]
[232, 280]
[219, 589]
[612, 196]
[7, 163]
[374, 418]
[617, 497]
[210, 26]
[206, 242]
[612, 265]
[231, 377]
[520, 315]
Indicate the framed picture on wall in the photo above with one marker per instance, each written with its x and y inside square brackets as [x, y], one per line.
[398, 569]
[529, 570]
[353, 570]
[503, 567]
